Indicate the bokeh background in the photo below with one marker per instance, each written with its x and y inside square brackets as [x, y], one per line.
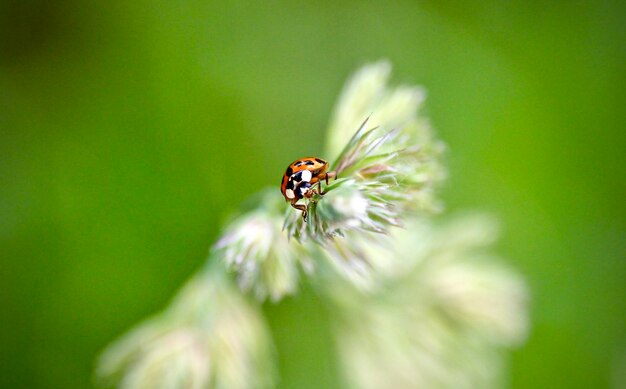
[129, 130]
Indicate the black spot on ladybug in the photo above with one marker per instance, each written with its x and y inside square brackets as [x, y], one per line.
[289, 171]
[302, 189]
[290, 184]
[297, 177]
[320, 161]
[310, 163]
[299, 163]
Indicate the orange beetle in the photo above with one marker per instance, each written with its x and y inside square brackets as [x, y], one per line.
[299, 179]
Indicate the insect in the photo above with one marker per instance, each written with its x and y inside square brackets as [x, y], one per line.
[300, 178]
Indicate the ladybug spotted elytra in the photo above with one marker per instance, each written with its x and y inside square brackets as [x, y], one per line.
[299, 180]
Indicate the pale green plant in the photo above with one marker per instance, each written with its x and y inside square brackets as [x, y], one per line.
[441, 319]
[209, 336]
[416, 305]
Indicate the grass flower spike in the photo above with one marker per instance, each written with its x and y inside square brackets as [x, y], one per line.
[209, 337]
[256, 248]
[417, 305]
[391, 163]
[442, 320]
[387, 171]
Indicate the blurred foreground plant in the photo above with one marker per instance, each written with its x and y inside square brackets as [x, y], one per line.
[416, 305]
[209, 336]
[441, 322]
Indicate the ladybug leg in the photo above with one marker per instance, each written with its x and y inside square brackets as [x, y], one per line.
[315, 190]
[330, 175]
[300, 207]
[327, 176]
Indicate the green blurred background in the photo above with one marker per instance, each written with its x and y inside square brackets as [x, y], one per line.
[130, 129]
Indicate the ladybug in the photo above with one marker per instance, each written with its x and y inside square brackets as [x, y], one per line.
[299, 180]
